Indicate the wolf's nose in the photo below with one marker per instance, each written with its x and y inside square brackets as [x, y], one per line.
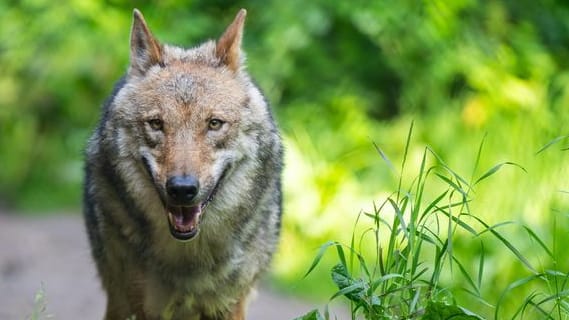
[182, 189]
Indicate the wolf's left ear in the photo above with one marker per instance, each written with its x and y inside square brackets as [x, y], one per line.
[228, 47]
[145, 50]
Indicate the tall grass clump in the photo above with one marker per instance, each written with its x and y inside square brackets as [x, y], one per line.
[402, 254]
[548, 288]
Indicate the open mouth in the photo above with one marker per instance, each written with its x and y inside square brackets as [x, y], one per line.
[184, 220]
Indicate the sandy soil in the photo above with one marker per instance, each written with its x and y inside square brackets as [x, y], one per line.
[53, 252]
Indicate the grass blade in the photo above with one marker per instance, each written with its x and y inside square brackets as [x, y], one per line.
[550, 143]
[511, 287]
[507, 243]
[319, 255]
[481, 265]
[384, 157]
[466, 275]
[405, 154]
[534, 236]
[495, 169]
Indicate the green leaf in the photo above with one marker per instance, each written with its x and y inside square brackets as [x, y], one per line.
[442, 311]
[384, 278]
[550, 143]
[452, 184]
[495, 169]
[508, 244]
[481, 265]
[319, 255]
[466, 275]
[312, 315]
[542, 244]
[384, 157]
[351, 288]
[516, 284]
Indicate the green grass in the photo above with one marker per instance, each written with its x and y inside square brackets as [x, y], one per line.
[39, 311]
[402, 257]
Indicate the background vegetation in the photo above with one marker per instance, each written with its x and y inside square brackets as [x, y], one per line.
[342, 75]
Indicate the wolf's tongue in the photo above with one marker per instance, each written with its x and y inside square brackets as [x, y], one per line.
[184, 219]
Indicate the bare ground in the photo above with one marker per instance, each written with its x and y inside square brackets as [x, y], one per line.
[52, 252]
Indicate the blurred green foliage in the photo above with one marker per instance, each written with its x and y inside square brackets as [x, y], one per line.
[341, 75]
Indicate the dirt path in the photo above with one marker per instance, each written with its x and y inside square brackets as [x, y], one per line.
[53, 251]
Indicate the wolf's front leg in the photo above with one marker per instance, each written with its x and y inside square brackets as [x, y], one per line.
[125, 296]
[122, 308]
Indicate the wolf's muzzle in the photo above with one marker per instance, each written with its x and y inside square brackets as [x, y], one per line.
[183, 210]
[184, 207]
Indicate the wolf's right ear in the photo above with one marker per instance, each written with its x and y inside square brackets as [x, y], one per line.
[145, 50]
[228, 47]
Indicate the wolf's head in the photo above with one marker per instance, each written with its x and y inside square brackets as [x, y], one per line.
[188, 118]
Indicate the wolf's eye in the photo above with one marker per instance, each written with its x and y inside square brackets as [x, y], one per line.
[156, 124]
[215, 124]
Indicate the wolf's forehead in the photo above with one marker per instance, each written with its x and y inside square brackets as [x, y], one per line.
[192, 88]
[186, 87]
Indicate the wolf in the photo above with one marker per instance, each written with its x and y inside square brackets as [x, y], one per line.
[182, 192]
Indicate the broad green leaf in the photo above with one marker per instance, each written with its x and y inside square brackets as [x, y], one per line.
[312, 315]
[441, 311]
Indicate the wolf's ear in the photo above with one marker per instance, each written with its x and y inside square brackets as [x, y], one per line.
[145, 50]
[228, 47]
